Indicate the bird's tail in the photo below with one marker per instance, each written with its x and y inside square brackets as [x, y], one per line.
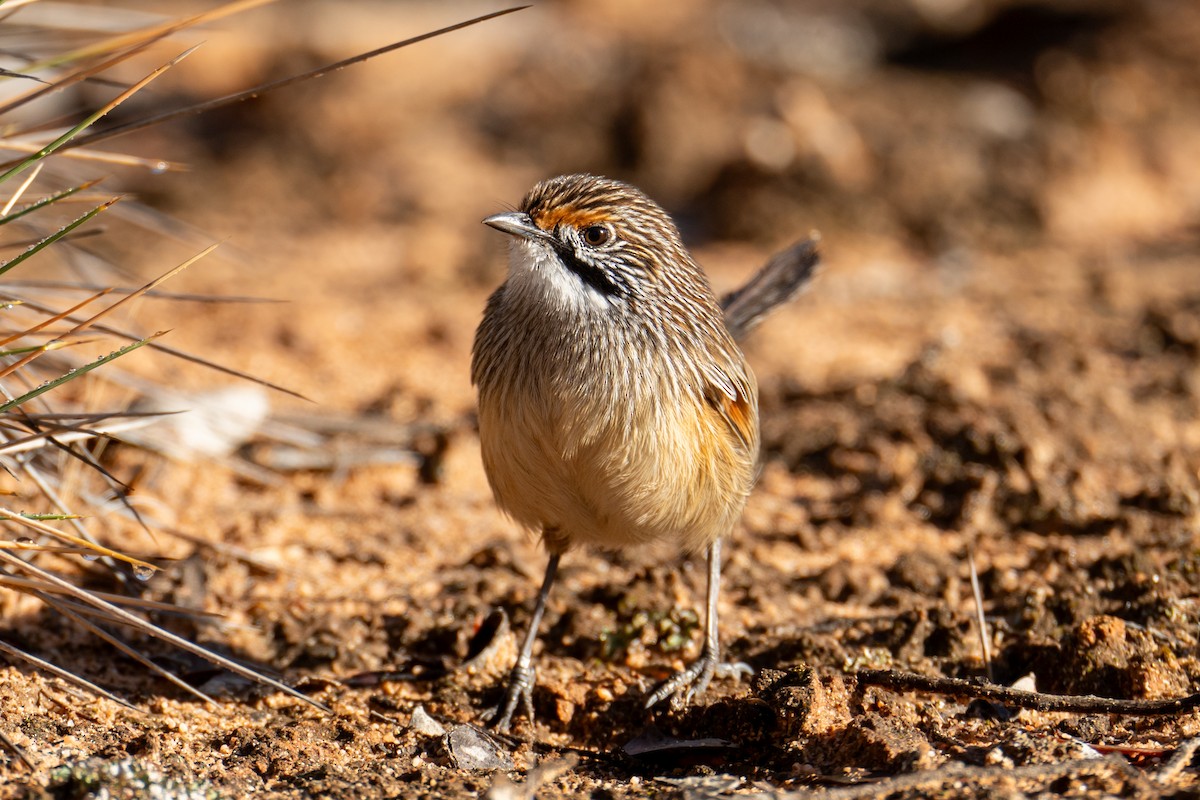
[780, 279]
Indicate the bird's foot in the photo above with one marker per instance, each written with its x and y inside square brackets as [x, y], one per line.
[520, 691]
[686, 684]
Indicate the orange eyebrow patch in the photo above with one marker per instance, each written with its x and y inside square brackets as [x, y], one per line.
[550, 218]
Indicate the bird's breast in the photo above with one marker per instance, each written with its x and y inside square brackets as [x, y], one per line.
[601, 437]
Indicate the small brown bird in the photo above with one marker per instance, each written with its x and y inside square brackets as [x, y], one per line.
[615, 407]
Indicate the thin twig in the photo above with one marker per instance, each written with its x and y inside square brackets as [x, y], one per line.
[923, 783]
[16, 750]
[1036, 701]
[980, 622]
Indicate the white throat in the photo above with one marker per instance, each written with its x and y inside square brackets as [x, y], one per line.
[537, 274]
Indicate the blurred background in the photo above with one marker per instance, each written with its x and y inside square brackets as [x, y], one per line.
[1002, 352]
[924, 139]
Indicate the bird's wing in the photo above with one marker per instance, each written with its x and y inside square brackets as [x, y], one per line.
[734, 400]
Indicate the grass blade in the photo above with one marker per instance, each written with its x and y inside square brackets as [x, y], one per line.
[146, 35]
[73, 286]
[90, 321]
[237, 97]
[33, 348]
[54, 198]
[90, 119]
[73, 78]
[18, 584]
[54, 237]
[69, 677]
[50, 321]
[75, 373]
[162, 348]
[159, 633]
[66, 434]
[21, 190]
[79, 619]
[140, 567]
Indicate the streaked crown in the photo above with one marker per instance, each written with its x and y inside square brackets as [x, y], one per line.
[617, 242]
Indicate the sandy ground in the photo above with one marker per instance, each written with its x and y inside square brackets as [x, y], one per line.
[1001, 356]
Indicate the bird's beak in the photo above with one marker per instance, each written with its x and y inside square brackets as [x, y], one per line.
[515, 223]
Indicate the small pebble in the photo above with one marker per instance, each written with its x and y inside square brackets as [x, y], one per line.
[425, 724]
[471, 748]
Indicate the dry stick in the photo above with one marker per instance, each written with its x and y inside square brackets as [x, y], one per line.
[922, 783]
[16, 750]
[1036, 701]
[980, 622]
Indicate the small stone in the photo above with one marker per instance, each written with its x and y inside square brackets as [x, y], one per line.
[565, 710]
[472, 749]
[425, 724]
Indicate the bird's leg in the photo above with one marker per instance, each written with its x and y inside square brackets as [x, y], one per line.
[695, 679]
[523, 676]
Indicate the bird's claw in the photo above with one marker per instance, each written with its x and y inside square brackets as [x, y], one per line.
[520, 690]
[693, 681]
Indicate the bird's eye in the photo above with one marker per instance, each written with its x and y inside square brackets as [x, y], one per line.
[596, 235]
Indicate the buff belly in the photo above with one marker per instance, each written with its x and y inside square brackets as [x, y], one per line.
[581, 476]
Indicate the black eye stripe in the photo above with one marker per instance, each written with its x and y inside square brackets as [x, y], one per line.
[594, 277]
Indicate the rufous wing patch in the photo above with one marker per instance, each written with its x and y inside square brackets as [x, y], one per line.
[736, 411]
